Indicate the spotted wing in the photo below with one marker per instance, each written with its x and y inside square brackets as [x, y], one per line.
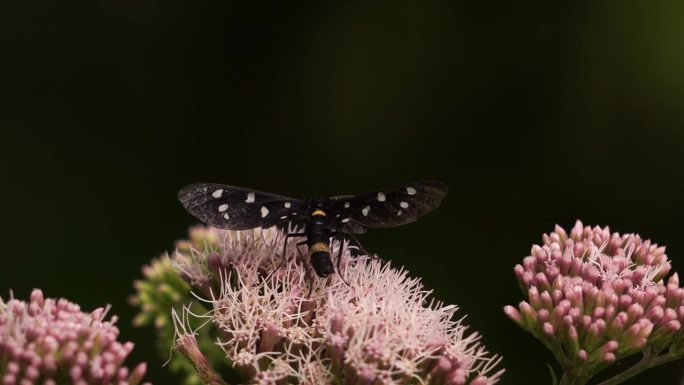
[340, 215]
[388, 208]
[238, 208]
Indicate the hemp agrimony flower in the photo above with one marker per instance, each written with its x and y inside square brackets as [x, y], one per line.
[595, 297]
[381, 328]
[51, 341]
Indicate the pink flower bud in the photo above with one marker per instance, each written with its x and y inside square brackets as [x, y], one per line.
[533, 296]
[548, 329]
[529, 314]
[543, 315]
[514, 314]
[582, 355]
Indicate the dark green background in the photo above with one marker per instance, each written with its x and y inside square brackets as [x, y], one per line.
[534, 115]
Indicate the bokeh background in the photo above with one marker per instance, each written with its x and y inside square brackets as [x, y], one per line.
[533, 114]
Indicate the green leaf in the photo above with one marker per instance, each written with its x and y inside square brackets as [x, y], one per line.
[554, 378]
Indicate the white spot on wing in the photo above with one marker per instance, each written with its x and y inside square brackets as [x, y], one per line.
[223, 208]
[283, 217]
[250, 198]
[345, 220]
[346, 205]
[287, 205]
[264, 211]
[365, 211]
[381, 197]
[399, 213]
[226, 216]
[217, 193]
[404, 204]
[410, 190]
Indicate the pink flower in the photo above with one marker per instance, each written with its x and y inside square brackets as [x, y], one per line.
[381, 328]
[594, 297]
[51, 341]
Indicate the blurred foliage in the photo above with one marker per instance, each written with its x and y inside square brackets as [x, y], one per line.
[160, 292]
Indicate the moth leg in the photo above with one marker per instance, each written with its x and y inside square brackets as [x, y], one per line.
[340, 237]
[289, 235]
[307, 271]
[283, 257]
[359, 248]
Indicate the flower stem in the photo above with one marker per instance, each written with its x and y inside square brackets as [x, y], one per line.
[570, 378]
[644, 364]
[187, 344]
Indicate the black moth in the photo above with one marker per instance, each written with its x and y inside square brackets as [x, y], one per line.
[238, 208]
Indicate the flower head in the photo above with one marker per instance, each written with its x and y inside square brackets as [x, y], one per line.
[594, 297]
[51, 341]
[381, 328]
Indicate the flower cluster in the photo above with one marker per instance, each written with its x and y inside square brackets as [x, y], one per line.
[594, 297]
[377, 326]
[48, 341]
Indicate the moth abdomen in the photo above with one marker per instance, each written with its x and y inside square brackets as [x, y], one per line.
[319, 257]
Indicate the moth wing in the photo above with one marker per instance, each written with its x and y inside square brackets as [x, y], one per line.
[238, 208]
[389, 208]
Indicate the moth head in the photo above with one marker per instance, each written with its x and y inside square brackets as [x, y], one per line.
[317, 203]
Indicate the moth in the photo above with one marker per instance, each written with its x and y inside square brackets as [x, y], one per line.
[239, 208]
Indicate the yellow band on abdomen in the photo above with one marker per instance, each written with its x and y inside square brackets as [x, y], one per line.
[318, 212]
[319, 246]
